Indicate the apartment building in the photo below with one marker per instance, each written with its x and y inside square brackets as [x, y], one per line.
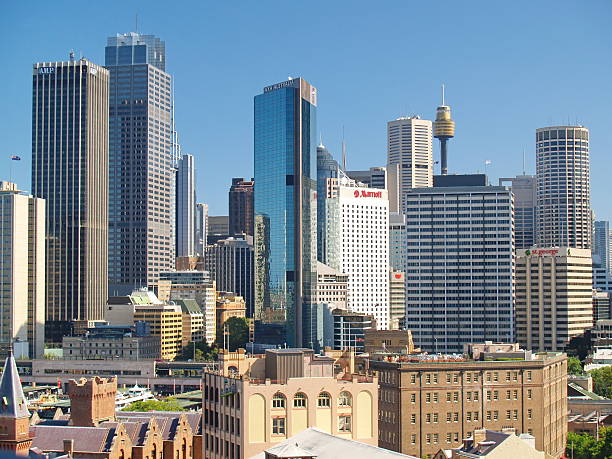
[255, 402]
[431, 402]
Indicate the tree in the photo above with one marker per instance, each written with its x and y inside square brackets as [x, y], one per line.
[202, 352]
[168, 404]
[574, 367]
[585, 446]
[602, 381]
[238, 330]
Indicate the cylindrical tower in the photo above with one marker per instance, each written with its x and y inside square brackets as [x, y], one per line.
[443, 129]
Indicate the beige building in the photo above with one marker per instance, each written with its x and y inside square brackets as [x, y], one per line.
[389, 341]
[255, 402]
[228, 305]
[332, 286]
[397, 299]
[196, 285]
[553, 296]
[165, 320]
[193, 321]
[431, 402]
[22, 271]
[489, 444]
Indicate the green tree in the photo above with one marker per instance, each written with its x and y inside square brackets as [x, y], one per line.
[574, 367]
[585, 446]
[202, 352]
[602, 381]
[238, 330]
[168, 404]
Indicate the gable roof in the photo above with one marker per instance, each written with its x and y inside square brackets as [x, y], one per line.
[86, 439]
[189, 306]
[12, 400]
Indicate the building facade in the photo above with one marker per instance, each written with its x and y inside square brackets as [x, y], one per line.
[459, 274]
[553, 296]
[22, 268]
[602, 246]
[141, 168]
[201, 228]
[241, 207]
[563, 194]
[602, 306]
[70, 171]
[194, 325]
[218, 228]
[112, 342]
[185, 207]
[231, 263]
[253, 403]
[285, 204]
[409, 145]
[398, 242]
[524, 190]
[434, 402]
[332, 287]
[363, 236]
[397, 299]
[350, 329]
[228, 305]
[327, 168]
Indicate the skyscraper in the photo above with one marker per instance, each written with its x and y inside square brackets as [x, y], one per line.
[459, 275]
[241, 207]
[563, 196]
[70, 170]
[602, 246]
[22, 271]
[409, 145]
[285, 204]
[185, 207]
[327, 168]
[142, 173]
[201, 227]
[524, 190]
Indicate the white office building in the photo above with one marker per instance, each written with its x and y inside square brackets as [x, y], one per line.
[459, 276]
[363, 225]
[409, 145]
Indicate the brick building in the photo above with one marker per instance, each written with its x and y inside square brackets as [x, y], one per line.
[432, 402]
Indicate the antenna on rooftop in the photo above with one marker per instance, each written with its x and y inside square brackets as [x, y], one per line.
[343, 151]
[136, 22]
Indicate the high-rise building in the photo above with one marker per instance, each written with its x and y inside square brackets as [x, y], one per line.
[22, 271]
[327, 168]
[563, 196]
[459, 274]
[524, 190]
[375, 177]
[397, 299]
[70, 171]
[201, 228]
[363, 231]
[231, 263]
[285, 204]
[409, 146]
[602, 306]
[241, 207]
[553, 296]
[398, 242]
[218, 228]
[141, 167]
[332, 287]
[602, 246]
[185, 207]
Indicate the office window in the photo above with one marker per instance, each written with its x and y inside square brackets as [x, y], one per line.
[412, 398]
[278, 426]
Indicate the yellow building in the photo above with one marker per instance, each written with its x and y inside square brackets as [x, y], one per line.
[165, 320]
[193, 321]
[229, 305]
[255, 402]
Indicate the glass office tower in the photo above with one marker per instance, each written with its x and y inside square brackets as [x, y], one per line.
[141, 167]
[285, 205]
[327, 168]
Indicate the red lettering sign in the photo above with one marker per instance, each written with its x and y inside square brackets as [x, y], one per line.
[367, 194]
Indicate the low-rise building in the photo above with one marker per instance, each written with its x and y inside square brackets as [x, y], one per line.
[399, 341]
[431, 402]
[601, 357]
[601, 334]
[489, 444]
[256, 402]
[350, 329]
[165, 320]
[228, 305]
[113, 342]
[193, 321]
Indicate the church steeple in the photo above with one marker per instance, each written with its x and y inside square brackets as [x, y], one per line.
[14, 414]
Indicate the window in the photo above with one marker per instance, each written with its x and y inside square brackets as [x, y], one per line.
[489, 395]
[529, 394]
[515, 415]
[495, 415]
[299, 400]
[278, 401]
[507, 415]
[428, 417]
[468, 416]
[507, 395]
[475, 396]
[468, 396]
[435, 397]
[278, 426]
[413, 439]
[448, 437]
[344, 399]
[344, 423]
[496, 376]
[496, 395]
[529, 375]
[435, 418]
[413, 419]
[529, 413]
[324, 400]
[413, 378]
[412, 398]
[488, 415]
[428, 438]
[448, 417]
[456, 397]
[476, 415]
[427, 397]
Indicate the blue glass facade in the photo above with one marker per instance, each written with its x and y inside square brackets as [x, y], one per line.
[327, 168]
[285, 204]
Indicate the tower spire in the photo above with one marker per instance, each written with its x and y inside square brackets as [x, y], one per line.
[343, 151]
[442, 93]
[443, 129]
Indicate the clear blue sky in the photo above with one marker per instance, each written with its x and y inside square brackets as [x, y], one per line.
[509, 67]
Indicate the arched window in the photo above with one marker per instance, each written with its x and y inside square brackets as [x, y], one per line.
[299, 400]
[345, 399]
[278, 401]
[324, 400]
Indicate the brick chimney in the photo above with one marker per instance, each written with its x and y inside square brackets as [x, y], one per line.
[480, 435]
[92, 401]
